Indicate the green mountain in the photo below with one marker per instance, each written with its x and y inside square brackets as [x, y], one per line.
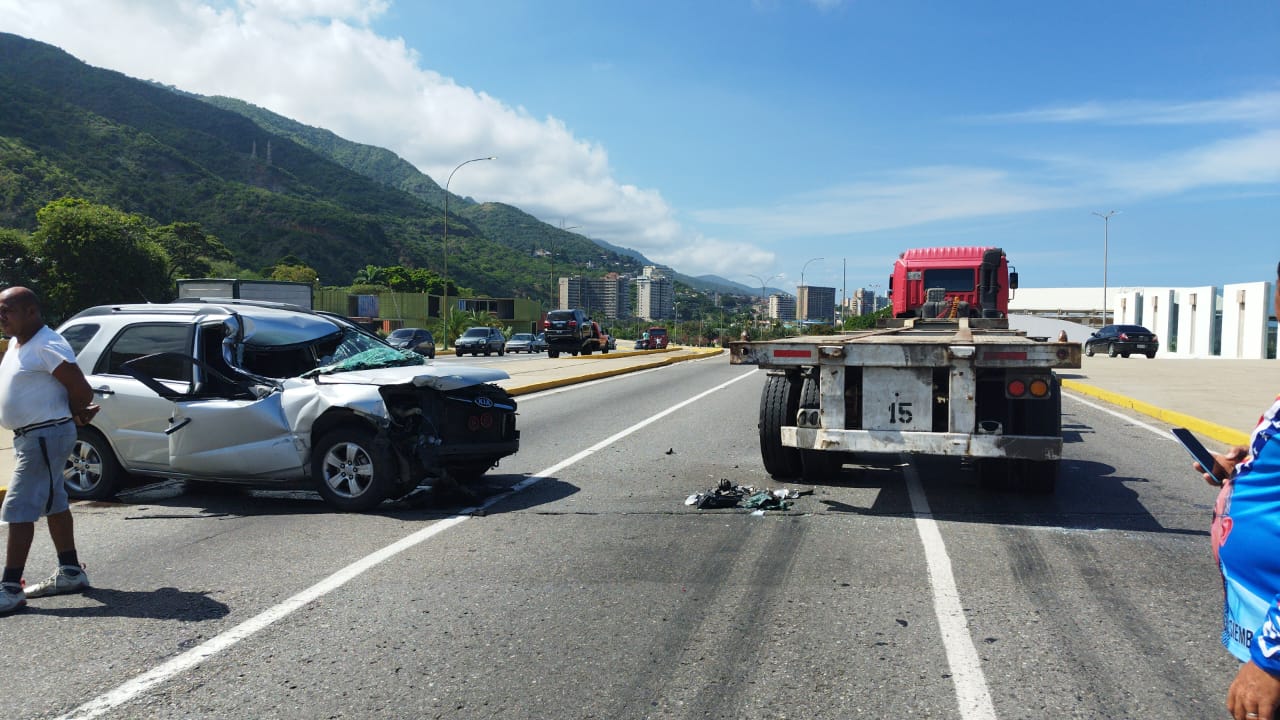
[267, 187]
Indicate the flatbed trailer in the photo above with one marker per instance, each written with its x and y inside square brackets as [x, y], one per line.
[965, 387]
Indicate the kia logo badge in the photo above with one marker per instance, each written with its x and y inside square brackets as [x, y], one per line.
[484, 402]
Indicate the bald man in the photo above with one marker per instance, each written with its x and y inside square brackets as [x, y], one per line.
[43, 396]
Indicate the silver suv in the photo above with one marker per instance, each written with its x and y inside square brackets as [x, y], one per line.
[274, 395]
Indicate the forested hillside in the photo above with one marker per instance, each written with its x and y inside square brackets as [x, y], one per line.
[266, 188]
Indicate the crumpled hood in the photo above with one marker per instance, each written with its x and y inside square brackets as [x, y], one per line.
[432, 376]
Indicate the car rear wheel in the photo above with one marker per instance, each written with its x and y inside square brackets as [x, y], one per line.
[92, 472]
[1151, 355]
[350, 471]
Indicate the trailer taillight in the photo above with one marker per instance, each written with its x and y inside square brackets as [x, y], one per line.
[1035, 387]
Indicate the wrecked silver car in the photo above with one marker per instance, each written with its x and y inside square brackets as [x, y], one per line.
[272, 395]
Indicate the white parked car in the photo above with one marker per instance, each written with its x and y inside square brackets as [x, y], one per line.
[273, 395]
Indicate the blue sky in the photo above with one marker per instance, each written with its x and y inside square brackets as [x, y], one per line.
[744, 137]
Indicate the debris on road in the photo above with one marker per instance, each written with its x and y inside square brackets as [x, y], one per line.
[726, 495]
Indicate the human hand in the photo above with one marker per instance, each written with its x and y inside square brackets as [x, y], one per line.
[1254, 694]
[1223, 464]
[85, 416]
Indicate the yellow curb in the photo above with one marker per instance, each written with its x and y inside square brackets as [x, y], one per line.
[586, 377]
[1220, 433]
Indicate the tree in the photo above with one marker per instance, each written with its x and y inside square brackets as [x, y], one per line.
[191, 250]
[18, 265]
[295, 273]
[95, 255]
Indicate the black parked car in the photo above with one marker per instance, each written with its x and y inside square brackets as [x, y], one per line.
[415, 339]
[1122, 340]
[478, 340]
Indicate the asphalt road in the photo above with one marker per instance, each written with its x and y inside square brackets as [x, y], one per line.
[894, 590]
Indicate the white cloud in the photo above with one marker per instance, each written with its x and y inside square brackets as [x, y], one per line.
[1258, 107]
[318, 62]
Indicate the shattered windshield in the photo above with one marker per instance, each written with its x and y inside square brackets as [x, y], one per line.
[354, 350]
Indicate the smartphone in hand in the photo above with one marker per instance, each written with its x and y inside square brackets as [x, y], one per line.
[1198, 451]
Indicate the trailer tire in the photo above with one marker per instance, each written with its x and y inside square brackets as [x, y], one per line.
[817, 465]
[779, 401]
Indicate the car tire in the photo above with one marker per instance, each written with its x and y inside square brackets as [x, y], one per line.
[553, 354]
[92, 472]
[1111, 350]
[1124, 355]
[431, 355]
[1088, 350]
[502, 351]
[351, 472]
[1151, 356]
[458, 352]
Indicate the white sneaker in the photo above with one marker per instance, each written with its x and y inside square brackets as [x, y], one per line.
[11, 597]
[66, 579]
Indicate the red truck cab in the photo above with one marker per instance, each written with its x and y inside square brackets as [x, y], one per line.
[657, 338]
[967, 282]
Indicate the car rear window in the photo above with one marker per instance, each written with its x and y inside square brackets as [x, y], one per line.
[1133, 329]
[401, 333]
[141, 340]
[562, 315]
[77, 336]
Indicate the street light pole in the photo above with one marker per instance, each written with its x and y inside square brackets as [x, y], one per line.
[1106, 237]
[806, 293]
[553, 265]
[445, 243]
[763, 283]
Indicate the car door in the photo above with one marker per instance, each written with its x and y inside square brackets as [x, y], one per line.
[132, 416]
[239, 432]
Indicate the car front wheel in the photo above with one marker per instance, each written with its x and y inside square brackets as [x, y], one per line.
[1111, 351]
[92, 472]
[351, 473]
[1088, 350]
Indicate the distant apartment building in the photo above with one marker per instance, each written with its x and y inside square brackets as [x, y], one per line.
[863, 302]
[655, 295]
[815, 303]
[782, 306]
[608, 297]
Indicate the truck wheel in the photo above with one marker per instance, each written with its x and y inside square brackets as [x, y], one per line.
[817, 465]
[1111, 350]
[351, 472]
[779, 401]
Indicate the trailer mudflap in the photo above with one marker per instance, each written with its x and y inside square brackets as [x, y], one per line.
[979, 445]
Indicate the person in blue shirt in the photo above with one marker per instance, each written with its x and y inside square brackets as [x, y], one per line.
[1246, 542]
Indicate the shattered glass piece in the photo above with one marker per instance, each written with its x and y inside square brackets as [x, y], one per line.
[371, 359]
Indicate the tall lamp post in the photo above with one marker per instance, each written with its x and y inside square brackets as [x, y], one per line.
[806, 293]
[554, 304]
[445, 243]
[1106, 233]
[763, 283]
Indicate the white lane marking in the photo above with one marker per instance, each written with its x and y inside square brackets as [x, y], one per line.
[1134, 421]
[180, 663]
[966, 669]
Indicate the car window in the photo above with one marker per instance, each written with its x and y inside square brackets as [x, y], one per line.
[401, 333]
[138, 341]
[476, 332]
[77, 336]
